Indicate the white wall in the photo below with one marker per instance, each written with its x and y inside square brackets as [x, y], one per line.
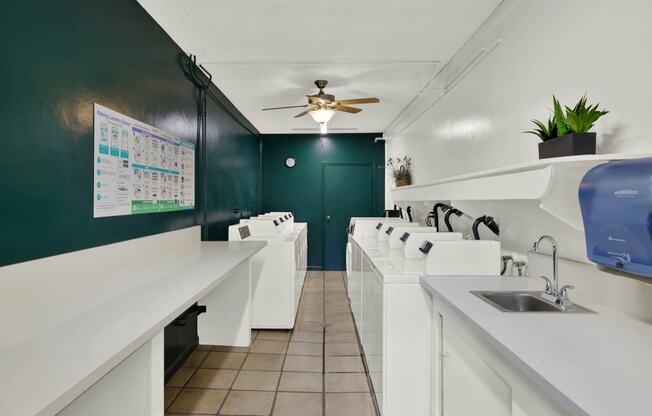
[565, 47]
[532, 49]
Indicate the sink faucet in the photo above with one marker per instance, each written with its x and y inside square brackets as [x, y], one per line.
[552, 288]
[555, 285]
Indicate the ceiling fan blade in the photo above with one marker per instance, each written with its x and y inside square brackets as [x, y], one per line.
[370, 100]
[304, 113]
[289, 106]
[346, 109]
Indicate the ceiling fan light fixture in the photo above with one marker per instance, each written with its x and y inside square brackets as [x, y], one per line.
[322, 115]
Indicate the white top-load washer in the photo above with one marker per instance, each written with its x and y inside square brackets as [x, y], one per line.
[393, 313]
[366, 226]
[278, 270]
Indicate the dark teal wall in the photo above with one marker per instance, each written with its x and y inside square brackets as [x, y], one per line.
[233, 172]
[299, 189]
[58, 58]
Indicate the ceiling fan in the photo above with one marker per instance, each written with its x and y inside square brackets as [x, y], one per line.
[322, 106]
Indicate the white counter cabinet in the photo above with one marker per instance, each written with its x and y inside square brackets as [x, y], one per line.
[95, 346]
[473, 379]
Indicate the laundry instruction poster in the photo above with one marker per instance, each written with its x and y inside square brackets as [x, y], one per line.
[139, 169]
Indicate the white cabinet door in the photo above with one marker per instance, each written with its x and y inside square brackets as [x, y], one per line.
[376, 340]
[470, 385]
[354, 285]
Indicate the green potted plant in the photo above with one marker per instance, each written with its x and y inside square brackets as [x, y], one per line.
[401, 170]
[566, 133]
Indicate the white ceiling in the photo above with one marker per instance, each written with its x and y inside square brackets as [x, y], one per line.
[266, 53]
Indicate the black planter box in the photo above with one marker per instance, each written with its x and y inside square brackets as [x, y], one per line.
[568, 145]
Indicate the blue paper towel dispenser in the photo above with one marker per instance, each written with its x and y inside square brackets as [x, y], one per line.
[616, 203]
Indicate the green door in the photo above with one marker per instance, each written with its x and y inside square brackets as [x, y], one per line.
[347, 191]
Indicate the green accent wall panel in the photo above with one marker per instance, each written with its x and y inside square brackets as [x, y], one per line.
[58, 59]
[300, 189]
[232, 174]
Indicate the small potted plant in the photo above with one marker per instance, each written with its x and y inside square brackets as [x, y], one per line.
[566, 133]
[401, 170]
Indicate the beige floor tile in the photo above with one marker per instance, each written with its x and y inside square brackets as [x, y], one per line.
[339, 317]
[181, 377]
[336, 294]
[198, 401]
[254, 334]
[306, 336]
[342, 326]
[248, 403]
[309, 326]
[342, 348]
[315, 273]
[333, 274]
[344, 364]
[306, 382]
[224, 348]
[219, 359]
[306, 348]
[336, 301]
[195, 359]
[340, 336]
[274, 335]
[257, 380]
[298, 404]
[311, 308]
[346, 383]
[310, 317]
[349, 404]
[313, 300]
[332, 309]
[171, 394]
[303, 363]
[263, 362]
[268, 347]
[208, 378]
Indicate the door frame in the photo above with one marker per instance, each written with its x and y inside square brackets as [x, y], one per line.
[324, 165]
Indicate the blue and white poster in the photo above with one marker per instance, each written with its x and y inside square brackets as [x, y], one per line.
[139, 169]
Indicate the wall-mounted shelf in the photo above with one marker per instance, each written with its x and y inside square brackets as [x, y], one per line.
[553, 182]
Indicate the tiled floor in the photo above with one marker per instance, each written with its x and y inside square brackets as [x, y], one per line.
[316, 369]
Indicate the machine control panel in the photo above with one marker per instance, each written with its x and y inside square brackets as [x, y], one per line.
[389, 230]
[244, 232]
[425, 247]
[405, 237]
[379, 226]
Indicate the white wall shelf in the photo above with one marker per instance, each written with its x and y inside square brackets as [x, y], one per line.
[553, 182]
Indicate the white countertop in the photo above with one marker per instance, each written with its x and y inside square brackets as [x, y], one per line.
[593, 364]
[390, 262]
[53, 349]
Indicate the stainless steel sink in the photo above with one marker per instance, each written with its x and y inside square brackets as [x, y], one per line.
[524, 302]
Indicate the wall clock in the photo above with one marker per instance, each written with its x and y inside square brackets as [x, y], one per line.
[290, 162]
